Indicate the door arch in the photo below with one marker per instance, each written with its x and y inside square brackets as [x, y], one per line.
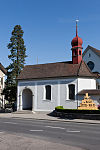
[27, 99]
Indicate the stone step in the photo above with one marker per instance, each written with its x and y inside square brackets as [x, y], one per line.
[23, 112]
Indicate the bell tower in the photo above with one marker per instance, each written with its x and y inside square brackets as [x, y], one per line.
[76, 48]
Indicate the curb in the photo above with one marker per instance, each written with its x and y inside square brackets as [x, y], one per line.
[85, 122]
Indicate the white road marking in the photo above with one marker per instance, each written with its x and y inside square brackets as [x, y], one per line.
[1, 132]
[10, 122]
[35, 130]
[54, 127]
[73, 131]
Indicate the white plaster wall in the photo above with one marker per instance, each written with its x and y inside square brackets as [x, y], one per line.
[59, 92]
[25, 85]
[42, 103]
[86, 83]
[94, 58]
[64, 94]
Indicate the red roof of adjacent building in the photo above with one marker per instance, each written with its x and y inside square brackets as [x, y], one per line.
[90, 92]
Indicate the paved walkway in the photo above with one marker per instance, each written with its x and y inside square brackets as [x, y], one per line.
[44, 116]
[19, 142]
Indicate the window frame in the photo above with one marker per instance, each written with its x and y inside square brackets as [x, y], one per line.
[44, 96]
[70, 98]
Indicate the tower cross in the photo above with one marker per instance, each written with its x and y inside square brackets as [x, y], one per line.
[76, 27]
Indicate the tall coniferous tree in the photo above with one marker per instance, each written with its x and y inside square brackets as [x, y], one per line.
[17, 57]
[18, 51]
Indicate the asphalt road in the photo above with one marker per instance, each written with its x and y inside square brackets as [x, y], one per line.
[82, 135]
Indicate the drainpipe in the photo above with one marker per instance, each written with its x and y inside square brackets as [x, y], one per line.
[77, 93]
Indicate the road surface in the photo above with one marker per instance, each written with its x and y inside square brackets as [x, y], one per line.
[48, 135]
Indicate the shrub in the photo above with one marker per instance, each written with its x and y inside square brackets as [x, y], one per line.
[61, 109]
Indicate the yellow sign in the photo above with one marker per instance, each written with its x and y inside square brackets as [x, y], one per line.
[87, 103]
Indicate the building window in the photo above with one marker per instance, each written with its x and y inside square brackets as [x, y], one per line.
[98, 87]
[2, 81]
[79, 52]
[71, 91]
[75, 52]
[90, 65]
[48, 92]
[89, 55]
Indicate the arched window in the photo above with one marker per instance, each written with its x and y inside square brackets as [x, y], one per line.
[80, 53]
[89, 55]
[71, 91]
[75, 53]
[90, 65]
[48, 92]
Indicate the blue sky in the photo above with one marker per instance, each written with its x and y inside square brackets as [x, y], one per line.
[49, 27]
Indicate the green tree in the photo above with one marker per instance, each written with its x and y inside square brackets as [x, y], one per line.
[17, 57]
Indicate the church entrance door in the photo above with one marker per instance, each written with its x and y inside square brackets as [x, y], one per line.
[27, 99]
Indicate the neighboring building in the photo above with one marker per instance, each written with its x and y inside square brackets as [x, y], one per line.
[92, 58]
[3, 72]
[43, 87]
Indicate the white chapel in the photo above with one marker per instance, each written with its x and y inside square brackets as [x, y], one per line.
[42, 87]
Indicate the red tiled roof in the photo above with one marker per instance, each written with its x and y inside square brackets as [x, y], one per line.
[96, 51]
[55, 70]
[90, 92]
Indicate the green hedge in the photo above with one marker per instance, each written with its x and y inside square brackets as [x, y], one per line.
[61, 109]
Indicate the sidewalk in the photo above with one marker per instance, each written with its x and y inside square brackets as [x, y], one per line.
[44, 116]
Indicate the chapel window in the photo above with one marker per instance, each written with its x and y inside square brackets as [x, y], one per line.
[90, 65]
[71, 91]
[48, 92]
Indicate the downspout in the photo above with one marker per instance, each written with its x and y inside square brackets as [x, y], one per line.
[77, 93]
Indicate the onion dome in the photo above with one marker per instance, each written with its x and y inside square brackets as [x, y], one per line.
[77, 41]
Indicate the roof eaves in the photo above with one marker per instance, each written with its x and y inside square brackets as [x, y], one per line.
[90, 91]
[41, 78]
